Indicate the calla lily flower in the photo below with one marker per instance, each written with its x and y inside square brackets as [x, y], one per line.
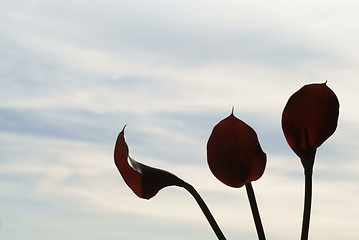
[309, 118]
[144, 181]
[234, 154]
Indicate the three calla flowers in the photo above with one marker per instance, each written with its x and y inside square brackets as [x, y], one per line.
[234, 154]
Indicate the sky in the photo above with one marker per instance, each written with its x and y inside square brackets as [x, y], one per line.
[73, 73]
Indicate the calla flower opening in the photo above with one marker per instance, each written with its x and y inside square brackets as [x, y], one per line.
[309, 118]
[144, 181]
[234, 154]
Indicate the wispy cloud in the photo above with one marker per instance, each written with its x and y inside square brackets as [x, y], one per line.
[73, 74]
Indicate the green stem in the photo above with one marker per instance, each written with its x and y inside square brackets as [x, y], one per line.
[255, 211]
[205, 210]
[307, 203]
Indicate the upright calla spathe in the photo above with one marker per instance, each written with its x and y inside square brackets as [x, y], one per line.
[236, 158]
[234, 154]
[309, 118]
[144, 181]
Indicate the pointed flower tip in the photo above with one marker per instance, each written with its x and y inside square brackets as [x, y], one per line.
[234, 154]
[143, 180]
[309, 118]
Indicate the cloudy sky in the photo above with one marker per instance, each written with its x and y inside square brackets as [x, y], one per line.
[73, 73]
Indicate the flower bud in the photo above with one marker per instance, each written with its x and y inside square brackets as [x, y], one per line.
[309, 118]
[234, 154]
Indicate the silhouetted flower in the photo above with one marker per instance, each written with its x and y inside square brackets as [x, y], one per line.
[234, 154]
[309, 118]
[144, 181]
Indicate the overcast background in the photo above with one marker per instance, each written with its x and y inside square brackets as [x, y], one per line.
[73, 73]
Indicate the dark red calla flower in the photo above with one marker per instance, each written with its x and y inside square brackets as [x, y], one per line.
[234, 154]
[309, 118]
[144, 181]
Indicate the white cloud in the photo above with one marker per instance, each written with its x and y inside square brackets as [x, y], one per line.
[85, 175]
[75, 73]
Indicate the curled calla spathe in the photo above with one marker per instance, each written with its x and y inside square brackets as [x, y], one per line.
[309, 118]
[234, 154]
[144, 181]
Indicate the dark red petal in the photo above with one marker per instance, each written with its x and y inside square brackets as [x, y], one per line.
[144, 181]
[309, 118]
[131, 177]
[234, 154]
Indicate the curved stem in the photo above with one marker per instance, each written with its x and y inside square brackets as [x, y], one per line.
[205, 210]
[307, 203]
[255, 211]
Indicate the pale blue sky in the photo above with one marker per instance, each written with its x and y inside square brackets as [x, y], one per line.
[73, 73]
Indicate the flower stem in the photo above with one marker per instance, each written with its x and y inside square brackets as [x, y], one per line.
[205, 210]
[307, 203]
[255, 211]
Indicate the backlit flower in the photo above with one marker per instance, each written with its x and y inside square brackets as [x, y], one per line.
[309, 118]
[144, 181]
[234, 154]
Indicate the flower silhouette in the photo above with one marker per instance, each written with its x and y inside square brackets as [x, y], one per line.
[234, 154]
[309, 118]
[236, 158]
[144, 181]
